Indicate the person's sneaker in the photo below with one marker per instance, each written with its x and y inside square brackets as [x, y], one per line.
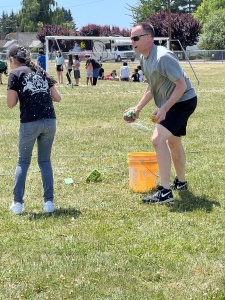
[49, 207]
[16, 208]
[161, 196]
[179, 185]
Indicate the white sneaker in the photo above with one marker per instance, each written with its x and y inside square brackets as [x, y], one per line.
[49, 206]
[16, 208]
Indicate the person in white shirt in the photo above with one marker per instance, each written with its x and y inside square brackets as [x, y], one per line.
[124, 72]
[141, 74]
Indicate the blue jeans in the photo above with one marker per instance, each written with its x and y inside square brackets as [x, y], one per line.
[43, 131]
[95, 75]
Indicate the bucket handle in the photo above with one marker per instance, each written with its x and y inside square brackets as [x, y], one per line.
[156, 175]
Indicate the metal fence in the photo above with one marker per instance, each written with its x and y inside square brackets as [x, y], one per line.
[204, 56]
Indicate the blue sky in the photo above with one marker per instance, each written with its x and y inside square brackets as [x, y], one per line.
[101, 12]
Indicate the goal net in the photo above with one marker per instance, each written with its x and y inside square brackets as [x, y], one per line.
[112, 48]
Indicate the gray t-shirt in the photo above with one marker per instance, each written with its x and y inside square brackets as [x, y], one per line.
[161, 69]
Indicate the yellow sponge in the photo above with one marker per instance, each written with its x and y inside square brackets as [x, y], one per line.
[94, 176]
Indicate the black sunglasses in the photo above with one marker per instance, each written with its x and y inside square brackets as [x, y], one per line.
[137, 37]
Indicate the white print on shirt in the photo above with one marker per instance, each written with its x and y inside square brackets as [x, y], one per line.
[35, 83]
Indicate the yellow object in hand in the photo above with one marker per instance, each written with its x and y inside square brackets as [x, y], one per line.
[153, 118]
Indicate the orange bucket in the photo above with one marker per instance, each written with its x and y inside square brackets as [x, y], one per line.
[143, 169]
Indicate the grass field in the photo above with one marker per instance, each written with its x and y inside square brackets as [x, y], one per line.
[102, 242]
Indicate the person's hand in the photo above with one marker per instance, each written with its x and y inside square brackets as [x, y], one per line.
[158, 115]
[133, 117]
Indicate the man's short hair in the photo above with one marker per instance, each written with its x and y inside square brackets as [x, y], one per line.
[147, 27]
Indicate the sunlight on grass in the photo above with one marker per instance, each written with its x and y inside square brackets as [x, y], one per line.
[102, 242]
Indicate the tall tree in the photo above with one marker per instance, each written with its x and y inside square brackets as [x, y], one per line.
[8, 23]
[184, 27]
[146, 8]
[34, 12]
[214, 31]
[97, 30]
[207, 7]
[49, 30]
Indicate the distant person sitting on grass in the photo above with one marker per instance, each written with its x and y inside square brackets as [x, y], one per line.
[141, 74]
[101, 73]
[125, 72]
[113, 76]
[135, 76]
[3, 69]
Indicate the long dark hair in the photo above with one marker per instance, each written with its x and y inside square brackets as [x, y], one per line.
[70, 61]
[22, 55]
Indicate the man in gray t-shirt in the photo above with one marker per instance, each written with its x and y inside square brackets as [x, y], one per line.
[175, 99]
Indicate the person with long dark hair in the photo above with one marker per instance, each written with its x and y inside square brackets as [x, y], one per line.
[35, 90]
[59, 66]
[69, 67]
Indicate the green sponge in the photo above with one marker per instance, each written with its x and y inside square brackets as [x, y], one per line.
[94, 176]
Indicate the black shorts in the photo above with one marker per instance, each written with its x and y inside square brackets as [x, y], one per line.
[3, 70]
[177, 117]
[76, 74]
[59, 68]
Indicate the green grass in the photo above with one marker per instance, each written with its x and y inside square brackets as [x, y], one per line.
[102, 242]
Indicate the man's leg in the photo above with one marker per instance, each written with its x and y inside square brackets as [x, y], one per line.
[178, 156]
[159, 140]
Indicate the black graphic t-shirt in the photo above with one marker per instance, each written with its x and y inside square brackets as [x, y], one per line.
[34, 94]
[135, 77]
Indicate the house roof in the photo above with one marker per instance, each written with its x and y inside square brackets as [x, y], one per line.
[27, 39]
[2, 43]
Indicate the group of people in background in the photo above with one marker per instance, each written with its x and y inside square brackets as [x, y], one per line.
[94, 69]
[73, 64]
[137, 75]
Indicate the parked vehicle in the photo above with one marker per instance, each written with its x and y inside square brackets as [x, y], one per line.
[113, 49]
[4, 54]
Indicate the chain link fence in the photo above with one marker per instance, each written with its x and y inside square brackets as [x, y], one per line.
[204, 56]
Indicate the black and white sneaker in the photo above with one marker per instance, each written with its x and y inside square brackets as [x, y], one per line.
[161, 196]
[179, 185]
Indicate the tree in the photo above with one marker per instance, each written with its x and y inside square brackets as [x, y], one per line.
[214, 31]
[34, 12]
[146, 8]
[207, 7]
[48, 30]
[97, 30]
[185, 6]
[184, 27]
[8, 23]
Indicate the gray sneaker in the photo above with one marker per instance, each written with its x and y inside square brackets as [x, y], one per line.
[16, 208]
[161, 196]
[49, 207]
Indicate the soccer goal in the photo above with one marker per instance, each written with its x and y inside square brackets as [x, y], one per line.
[104, 48]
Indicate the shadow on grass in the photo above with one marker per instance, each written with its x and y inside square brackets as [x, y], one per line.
[189, 202]
[61, 212]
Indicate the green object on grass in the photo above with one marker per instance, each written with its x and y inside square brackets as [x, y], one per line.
[130, 113]
[94, 176]
[68, 180]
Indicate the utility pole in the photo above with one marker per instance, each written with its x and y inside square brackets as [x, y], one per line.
[169, 21]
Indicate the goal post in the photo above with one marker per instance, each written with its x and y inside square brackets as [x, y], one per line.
[93, 38]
